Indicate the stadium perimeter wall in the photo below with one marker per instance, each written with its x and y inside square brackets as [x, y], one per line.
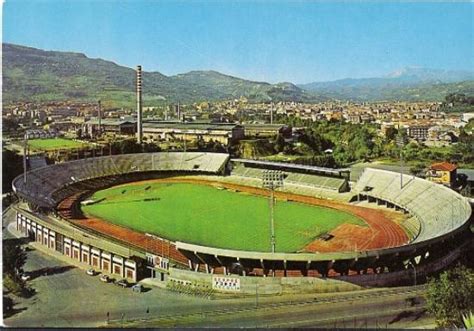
[266, 285]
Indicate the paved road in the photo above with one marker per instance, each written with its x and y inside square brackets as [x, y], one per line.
[68, 297]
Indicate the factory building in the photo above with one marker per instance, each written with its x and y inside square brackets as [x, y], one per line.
[223, 133]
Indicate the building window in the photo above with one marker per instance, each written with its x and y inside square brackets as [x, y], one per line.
[95, 261]
[117, 270]
[129, 274]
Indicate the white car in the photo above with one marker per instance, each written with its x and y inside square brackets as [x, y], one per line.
[25, 277]
[105, 279]
[90, 272]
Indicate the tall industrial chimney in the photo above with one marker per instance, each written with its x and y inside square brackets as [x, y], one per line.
[139, 105]
[99, 115]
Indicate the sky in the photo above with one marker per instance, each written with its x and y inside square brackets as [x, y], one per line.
[274, 41]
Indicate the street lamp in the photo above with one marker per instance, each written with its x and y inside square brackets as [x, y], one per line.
[272, 179]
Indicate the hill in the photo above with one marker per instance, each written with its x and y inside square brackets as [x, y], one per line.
[36, 75]
[408, 84]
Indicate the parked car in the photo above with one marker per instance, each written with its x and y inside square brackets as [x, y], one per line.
[91, 272]
[105, 279]
[123, 283]
[137, 288]
[25, 277]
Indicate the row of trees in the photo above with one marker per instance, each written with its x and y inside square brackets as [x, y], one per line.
[333, 142]
[360, 142]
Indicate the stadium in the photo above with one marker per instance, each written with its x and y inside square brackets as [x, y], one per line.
[203, 220]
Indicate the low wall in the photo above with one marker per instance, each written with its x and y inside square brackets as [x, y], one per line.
[233, 284]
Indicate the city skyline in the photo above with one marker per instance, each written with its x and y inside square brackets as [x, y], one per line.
[299, 42]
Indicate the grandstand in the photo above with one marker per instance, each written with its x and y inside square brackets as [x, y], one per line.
[46, 187]
[36, 161]
[338, 184]
[436, 209]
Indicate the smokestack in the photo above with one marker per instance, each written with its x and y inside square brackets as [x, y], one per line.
[100, 117]
[271, 114]
[139, 105]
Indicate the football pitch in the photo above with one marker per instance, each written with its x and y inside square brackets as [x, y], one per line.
[214, 217]
[54, 143]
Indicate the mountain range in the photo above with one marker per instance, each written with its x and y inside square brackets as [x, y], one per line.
[409, 84]
[31, 74]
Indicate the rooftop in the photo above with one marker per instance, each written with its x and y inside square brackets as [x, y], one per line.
[293, 166]
[443, 166]
[190, 125]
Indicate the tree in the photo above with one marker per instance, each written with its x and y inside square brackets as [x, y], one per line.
[451, 296]
[14, 258]
[151, 148]
[279, 143]
[417, 169]
[7, 306]
[9, 124]
[126, 147]
[12, 164]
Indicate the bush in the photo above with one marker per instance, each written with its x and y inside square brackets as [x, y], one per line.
[451, 296]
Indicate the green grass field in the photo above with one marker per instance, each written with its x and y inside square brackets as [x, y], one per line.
[209, 216]
[54, 143]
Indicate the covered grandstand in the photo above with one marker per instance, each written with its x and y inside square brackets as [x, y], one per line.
[315, 177]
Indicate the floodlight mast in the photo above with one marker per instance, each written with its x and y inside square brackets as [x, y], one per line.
[25, 149]
[401, 140]
[41, 134]
[272, 179]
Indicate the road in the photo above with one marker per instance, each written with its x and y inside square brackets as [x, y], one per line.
[67, 297]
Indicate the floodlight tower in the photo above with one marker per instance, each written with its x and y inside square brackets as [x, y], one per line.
[272, 179]
[401, 141]
[32, 134]
[25, 151]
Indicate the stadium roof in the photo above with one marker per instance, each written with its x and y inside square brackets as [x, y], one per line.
[293, 166]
